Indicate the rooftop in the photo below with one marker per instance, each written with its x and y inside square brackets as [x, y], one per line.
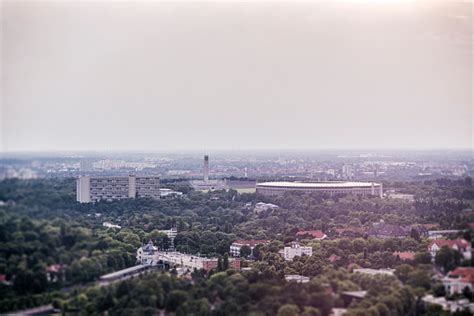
[329, 184]
[124, 271]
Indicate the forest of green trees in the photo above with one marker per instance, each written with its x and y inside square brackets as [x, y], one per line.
[42, 225]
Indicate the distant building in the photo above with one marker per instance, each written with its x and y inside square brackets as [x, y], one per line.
[375, 271]
[95, 189]
[461, 245]
[314, 234]
[348, 172]
[383, 230]
[110, 225]
[146, 254]
[350, 296]
[238, 244]
[436, 234]
[295, 250]
[169, 192]
[207, 184]
[296, 278]
[206, 168]
[171, 233]
[149, 255]
[404, 255]
[329, 187]
[260, 206]
[458, 279]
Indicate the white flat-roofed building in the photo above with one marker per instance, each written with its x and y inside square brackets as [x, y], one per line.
[94, 189]
[296, 278]
[251, 243]
[295, 250]
[329, 187]
[375, 271]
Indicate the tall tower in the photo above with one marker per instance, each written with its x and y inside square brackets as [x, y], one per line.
[206, 168]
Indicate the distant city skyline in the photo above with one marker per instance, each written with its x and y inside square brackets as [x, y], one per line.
[156, 76]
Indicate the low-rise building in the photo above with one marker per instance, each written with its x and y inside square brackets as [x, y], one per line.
[458, 279]
[369, 271]
[110, 225]
[437, 234]
[461, 245]
[260, 207]
[449, 305]
[295, 250]
[150, 255]
[296, 278]
[237, 245]
[168, 192]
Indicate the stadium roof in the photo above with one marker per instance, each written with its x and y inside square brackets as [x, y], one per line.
[331, 184]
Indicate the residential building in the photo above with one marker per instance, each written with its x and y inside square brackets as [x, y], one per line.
[437, 234]
[149, 254]
[458, 279]
[295, 250]
[169, 192]
[110, 225]
[369, 271]
[238, 244]
[296, 278]
[260, 207]
[461, 245]
[94, 189]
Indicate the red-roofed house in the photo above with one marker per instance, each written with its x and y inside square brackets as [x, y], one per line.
[238, 244]
[461, 245]
[405, 255]
[54, 272]
[315, 234]
[458, 279]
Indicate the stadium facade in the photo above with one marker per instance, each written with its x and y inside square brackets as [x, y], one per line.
[330, 187]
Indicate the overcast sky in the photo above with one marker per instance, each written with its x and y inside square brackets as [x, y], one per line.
[107, 75]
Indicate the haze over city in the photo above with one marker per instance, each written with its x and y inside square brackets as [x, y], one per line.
[152, 75]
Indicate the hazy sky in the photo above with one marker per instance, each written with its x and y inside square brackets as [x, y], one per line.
[109, 75]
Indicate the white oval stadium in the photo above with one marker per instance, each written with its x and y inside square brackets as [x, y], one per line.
[330, 187]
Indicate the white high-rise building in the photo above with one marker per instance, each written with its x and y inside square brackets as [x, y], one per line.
[94, 189]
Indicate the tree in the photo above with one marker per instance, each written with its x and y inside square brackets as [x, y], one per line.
[175, 299]
[225, 262]
[310, 311]
[288, 310]
[447, 258]
[245, 251]
[403, 271]
[220, 266]
[467, 293]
